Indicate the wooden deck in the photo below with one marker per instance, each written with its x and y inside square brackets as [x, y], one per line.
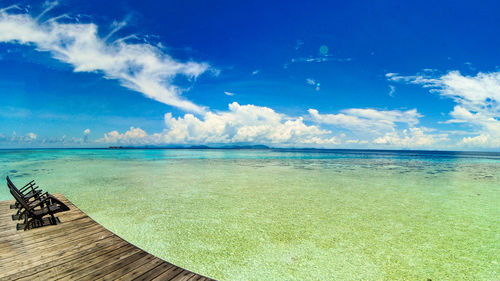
[78, 248]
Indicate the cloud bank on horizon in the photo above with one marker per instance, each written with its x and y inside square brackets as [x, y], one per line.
[149, 70]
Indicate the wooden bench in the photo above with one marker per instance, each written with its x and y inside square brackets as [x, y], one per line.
[33, 206]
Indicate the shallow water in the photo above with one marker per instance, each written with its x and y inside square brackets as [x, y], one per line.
[287, 215]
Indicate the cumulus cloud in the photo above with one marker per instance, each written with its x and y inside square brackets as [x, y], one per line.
[392, 128]
[33, 140]
[141, 67]
[480, 140]
[240, 124]
[86, 134]
[256, 124]
[132, 136]
[14, 138]
[31, 136]
[410, 138]
[367, 121]
[477, 98]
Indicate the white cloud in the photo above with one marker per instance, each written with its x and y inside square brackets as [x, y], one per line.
[392, 90]
[241, 124]
[367, 121]
[132, 136]
[31, 139]
[320, 59]
[86, 134]
[31, 136]
[255, 72]
[18, 139]
[410, 138]
[413, 79]
[477, 98]
[140, 67]
[228, 94]
[391, 128]
[480, 140]
[256, 124]
[310, 81]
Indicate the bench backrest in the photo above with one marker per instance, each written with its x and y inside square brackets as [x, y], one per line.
[10, 183]
[12, 186]
[17, 194]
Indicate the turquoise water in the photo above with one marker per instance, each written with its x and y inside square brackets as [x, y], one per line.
[287, 215]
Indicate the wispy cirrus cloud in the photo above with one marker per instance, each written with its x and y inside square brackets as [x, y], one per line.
[141, 67]
[392, 90]
[310, 81]
[319, 59]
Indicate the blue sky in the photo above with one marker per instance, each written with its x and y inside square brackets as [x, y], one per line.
[343, 74]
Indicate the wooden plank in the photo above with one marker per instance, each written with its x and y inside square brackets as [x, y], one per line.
[74, 260]
[70, 267]
[70, 238]
[183, 276]
[169, 274]
[75, 249]
[60, 251]
[14, 237]
[200, 278]
[51, 233]
[120, 272]
[151, 274]
[94, 259]
[142, 269]
[110, 265]
[37, 235]
[48, 245]
[97, 267]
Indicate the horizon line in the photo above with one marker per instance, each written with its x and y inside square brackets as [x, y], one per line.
[242, 147]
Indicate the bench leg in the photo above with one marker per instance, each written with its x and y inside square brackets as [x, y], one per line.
[53, 219]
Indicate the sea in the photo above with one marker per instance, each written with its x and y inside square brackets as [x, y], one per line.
[287, 214]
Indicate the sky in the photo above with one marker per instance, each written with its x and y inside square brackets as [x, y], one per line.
[328, 74]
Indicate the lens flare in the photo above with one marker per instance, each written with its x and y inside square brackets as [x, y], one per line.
[323, 50]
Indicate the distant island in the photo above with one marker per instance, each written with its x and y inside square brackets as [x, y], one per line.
[259, 146]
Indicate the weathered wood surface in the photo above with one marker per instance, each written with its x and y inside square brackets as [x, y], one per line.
[78, 248]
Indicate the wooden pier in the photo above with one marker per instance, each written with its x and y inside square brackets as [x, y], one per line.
[78, 248]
